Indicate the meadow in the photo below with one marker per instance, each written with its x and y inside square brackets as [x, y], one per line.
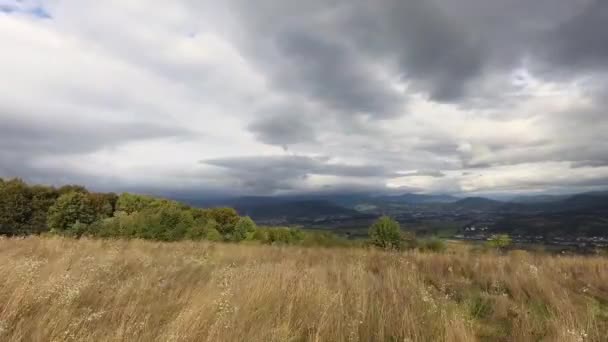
[63, 289]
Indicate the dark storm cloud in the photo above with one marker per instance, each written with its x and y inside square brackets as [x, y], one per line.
[443, 49]
[581, 42]
[434, 52]
[329, 71]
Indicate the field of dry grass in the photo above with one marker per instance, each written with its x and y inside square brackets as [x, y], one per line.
[54, 289]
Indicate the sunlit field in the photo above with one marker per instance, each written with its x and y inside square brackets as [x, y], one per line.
[56, 289]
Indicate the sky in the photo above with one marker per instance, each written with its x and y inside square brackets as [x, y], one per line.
[241, 97]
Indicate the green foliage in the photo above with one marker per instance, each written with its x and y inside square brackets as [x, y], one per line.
[386, 233]
[499, 241]
[70, 208]
[324, 239]
[15, 206]
[104, 204]
[23, 208]
[72, 188]
[43, 197]
[73, 211]
[214, 235]
[278, 235]
[77, 229]
[226, 218]
[243, 228]
[130, 203]
[432, 244]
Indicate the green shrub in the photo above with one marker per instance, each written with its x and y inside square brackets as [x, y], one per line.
[386, 233]
[243, 228]
[433, 244]
[70, 208]
[499, 241]
[214, 235]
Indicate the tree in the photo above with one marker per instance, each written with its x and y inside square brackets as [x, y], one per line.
[104, 204]
[15, 207]
[243, 228]
[131, 203]
[72, 188]
[43, 197]
[499, 241]
[213, 235]
[386, 233]
[70, 208]
[226, 218]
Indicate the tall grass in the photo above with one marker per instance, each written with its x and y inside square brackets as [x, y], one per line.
[55, 289]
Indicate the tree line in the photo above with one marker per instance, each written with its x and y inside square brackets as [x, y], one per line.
[75, 211]
[72, 210]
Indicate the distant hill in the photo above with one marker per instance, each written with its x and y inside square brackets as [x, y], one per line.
[323, 206]
[585, 201]
[269, 209]
[417, 198]
[477, 203]
[539, 199]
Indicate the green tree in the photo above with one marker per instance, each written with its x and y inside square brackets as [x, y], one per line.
[72, 188]
[386, 233]
[70, 208]
[15, 207]
[213, 235]
[104, 204]
[130, 203]
[499, 241]
[43, 197]
[226, 218]
[243, 229]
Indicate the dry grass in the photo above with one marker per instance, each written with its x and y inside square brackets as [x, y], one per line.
[54, 289]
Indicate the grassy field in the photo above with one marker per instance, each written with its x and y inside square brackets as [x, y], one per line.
[54, 289]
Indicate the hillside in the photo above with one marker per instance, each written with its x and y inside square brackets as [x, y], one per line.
[95, 290]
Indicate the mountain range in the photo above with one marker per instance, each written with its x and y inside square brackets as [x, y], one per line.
[300, 206]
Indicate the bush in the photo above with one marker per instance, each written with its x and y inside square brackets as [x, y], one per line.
[243, 228]
[131, 203]
[499, 241]
[70, 208]
[433, 244]
[386, 233]
[324, 239]
[214, 235]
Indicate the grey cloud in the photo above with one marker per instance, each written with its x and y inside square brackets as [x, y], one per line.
[433, 51]
[23, 141]
[283, 125]
[329, 71]
[580, 42]
[444, 49]
[428, 173]
[589, 163]
[272, 173]
[30, 137]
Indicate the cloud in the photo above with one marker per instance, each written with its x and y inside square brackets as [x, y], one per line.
[132, 94]
[283, 125]
[576, 44]
[287, 172]
[423, 173]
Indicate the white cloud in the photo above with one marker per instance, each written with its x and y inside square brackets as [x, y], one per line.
[126, 93]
